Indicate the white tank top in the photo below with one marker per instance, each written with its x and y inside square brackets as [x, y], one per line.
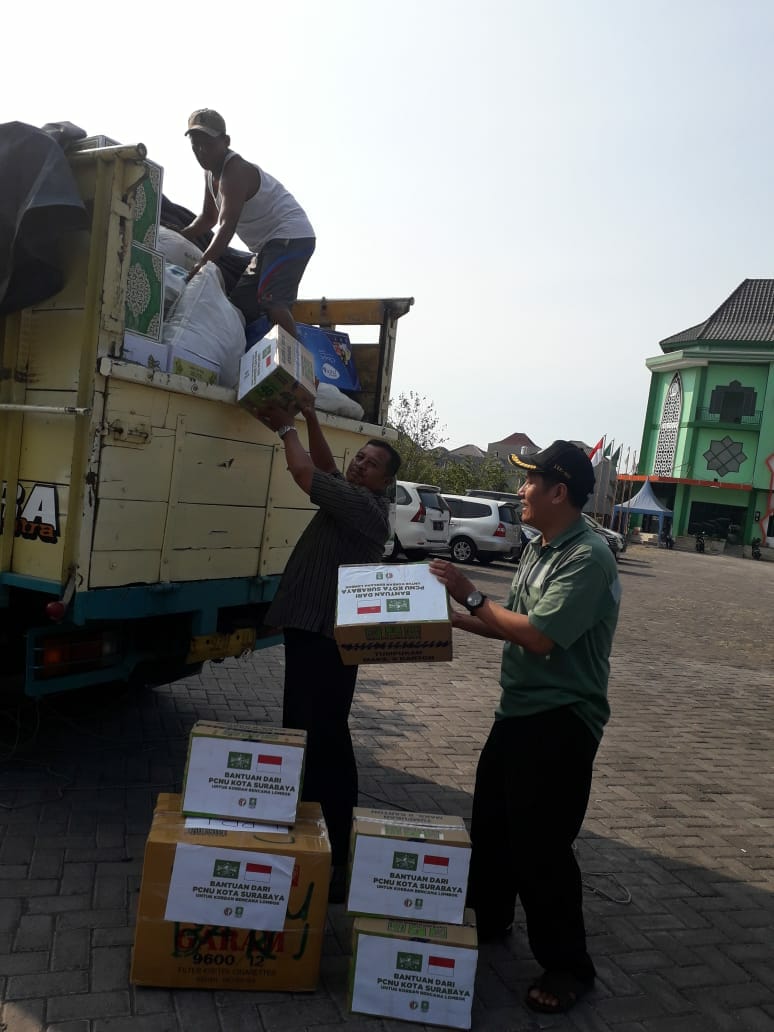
[272, 213]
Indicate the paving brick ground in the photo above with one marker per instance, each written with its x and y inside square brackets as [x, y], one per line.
[677, 849]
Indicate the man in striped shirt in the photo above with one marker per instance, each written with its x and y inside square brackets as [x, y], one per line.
[350, 527]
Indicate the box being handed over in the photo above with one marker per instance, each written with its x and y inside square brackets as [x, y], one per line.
[277, 372]
[397, 613]
[405, 863]
[244, 771]
[414, 970]
[231, 905]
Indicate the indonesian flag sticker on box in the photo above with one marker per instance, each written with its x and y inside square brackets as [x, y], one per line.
[231, 904]
[248, 772]
[397, 613]
[408, 864]
[414, 970]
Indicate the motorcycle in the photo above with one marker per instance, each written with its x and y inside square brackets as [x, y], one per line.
[755, 548]
[699, 540]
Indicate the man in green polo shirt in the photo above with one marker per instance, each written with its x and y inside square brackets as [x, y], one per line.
[534, 773]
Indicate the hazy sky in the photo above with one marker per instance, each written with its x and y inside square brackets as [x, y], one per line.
[558, 183]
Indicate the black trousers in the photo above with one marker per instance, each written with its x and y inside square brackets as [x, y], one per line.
[532, 790]
[318, 697]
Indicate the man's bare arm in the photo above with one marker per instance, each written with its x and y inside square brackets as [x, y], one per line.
[319, 449]
[203, 223]
[236, 184]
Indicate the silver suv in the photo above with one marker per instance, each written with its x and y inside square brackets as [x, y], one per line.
[482, 528]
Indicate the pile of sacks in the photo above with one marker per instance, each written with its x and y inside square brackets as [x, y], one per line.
[199, 317]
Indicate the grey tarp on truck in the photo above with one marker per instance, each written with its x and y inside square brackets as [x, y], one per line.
[39, 202]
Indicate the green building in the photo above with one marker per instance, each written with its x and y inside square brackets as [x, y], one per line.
[708, 441]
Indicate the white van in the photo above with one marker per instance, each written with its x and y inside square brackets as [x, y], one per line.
[421, 520]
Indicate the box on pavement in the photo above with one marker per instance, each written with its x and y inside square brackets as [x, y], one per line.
[277, 371]
[408, 864]
[396, 613]
[185, 362]
[247, 772]
[144, 308]
[232, 905]
[414, 970]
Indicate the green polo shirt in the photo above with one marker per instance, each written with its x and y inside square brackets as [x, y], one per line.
[570, 591]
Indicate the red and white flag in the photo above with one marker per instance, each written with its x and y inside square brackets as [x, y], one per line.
[369, 609]
[435, 864]
[258, 872]
[269, 760]
[440, 963]
[597, 453]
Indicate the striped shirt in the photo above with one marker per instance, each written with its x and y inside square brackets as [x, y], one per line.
[350, 527]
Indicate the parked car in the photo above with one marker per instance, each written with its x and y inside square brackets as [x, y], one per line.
[616, 542]
[421, 520]
[482, 528]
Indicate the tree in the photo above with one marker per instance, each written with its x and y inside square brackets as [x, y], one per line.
[420, 436]
[419, 430]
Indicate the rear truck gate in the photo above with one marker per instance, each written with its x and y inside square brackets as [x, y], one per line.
[146, 518]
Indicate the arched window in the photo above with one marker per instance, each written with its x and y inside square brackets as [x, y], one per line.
[667, 431]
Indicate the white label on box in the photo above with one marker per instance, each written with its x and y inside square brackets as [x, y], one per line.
[235, 887]
[421, 880]
[215, 824]
[389, 594]
[238, 779]
[414, 981]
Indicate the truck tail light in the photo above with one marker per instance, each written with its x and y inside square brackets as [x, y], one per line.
[66, 654]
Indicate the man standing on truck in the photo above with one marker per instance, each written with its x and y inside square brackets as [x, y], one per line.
[350, 527]
[534, 772]
[241, 198]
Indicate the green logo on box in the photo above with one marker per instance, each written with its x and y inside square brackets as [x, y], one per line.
[240, 760]
[398, 605]
[409, 962]
[226, 869]
[405, 861]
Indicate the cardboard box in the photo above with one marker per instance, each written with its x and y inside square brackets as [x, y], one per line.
[229, 953]
[184, 362]
[246, 772]
[414, 970]
[408, 863]
[143, 311]
[397, 613]
[277, 371]
[142, 351]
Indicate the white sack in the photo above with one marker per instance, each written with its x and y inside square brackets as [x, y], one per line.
[176, 249]
[331, 399]
[205, 322]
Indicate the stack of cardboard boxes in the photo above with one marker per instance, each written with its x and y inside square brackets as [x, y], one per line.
[234, 889]
[414, 944]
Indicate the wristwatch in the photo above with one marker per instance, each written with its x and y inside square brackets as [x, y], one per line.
[474, 601]
[282, 430]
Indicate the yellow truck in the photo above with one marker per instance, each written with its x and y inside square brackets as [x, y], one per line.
[145, 517]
